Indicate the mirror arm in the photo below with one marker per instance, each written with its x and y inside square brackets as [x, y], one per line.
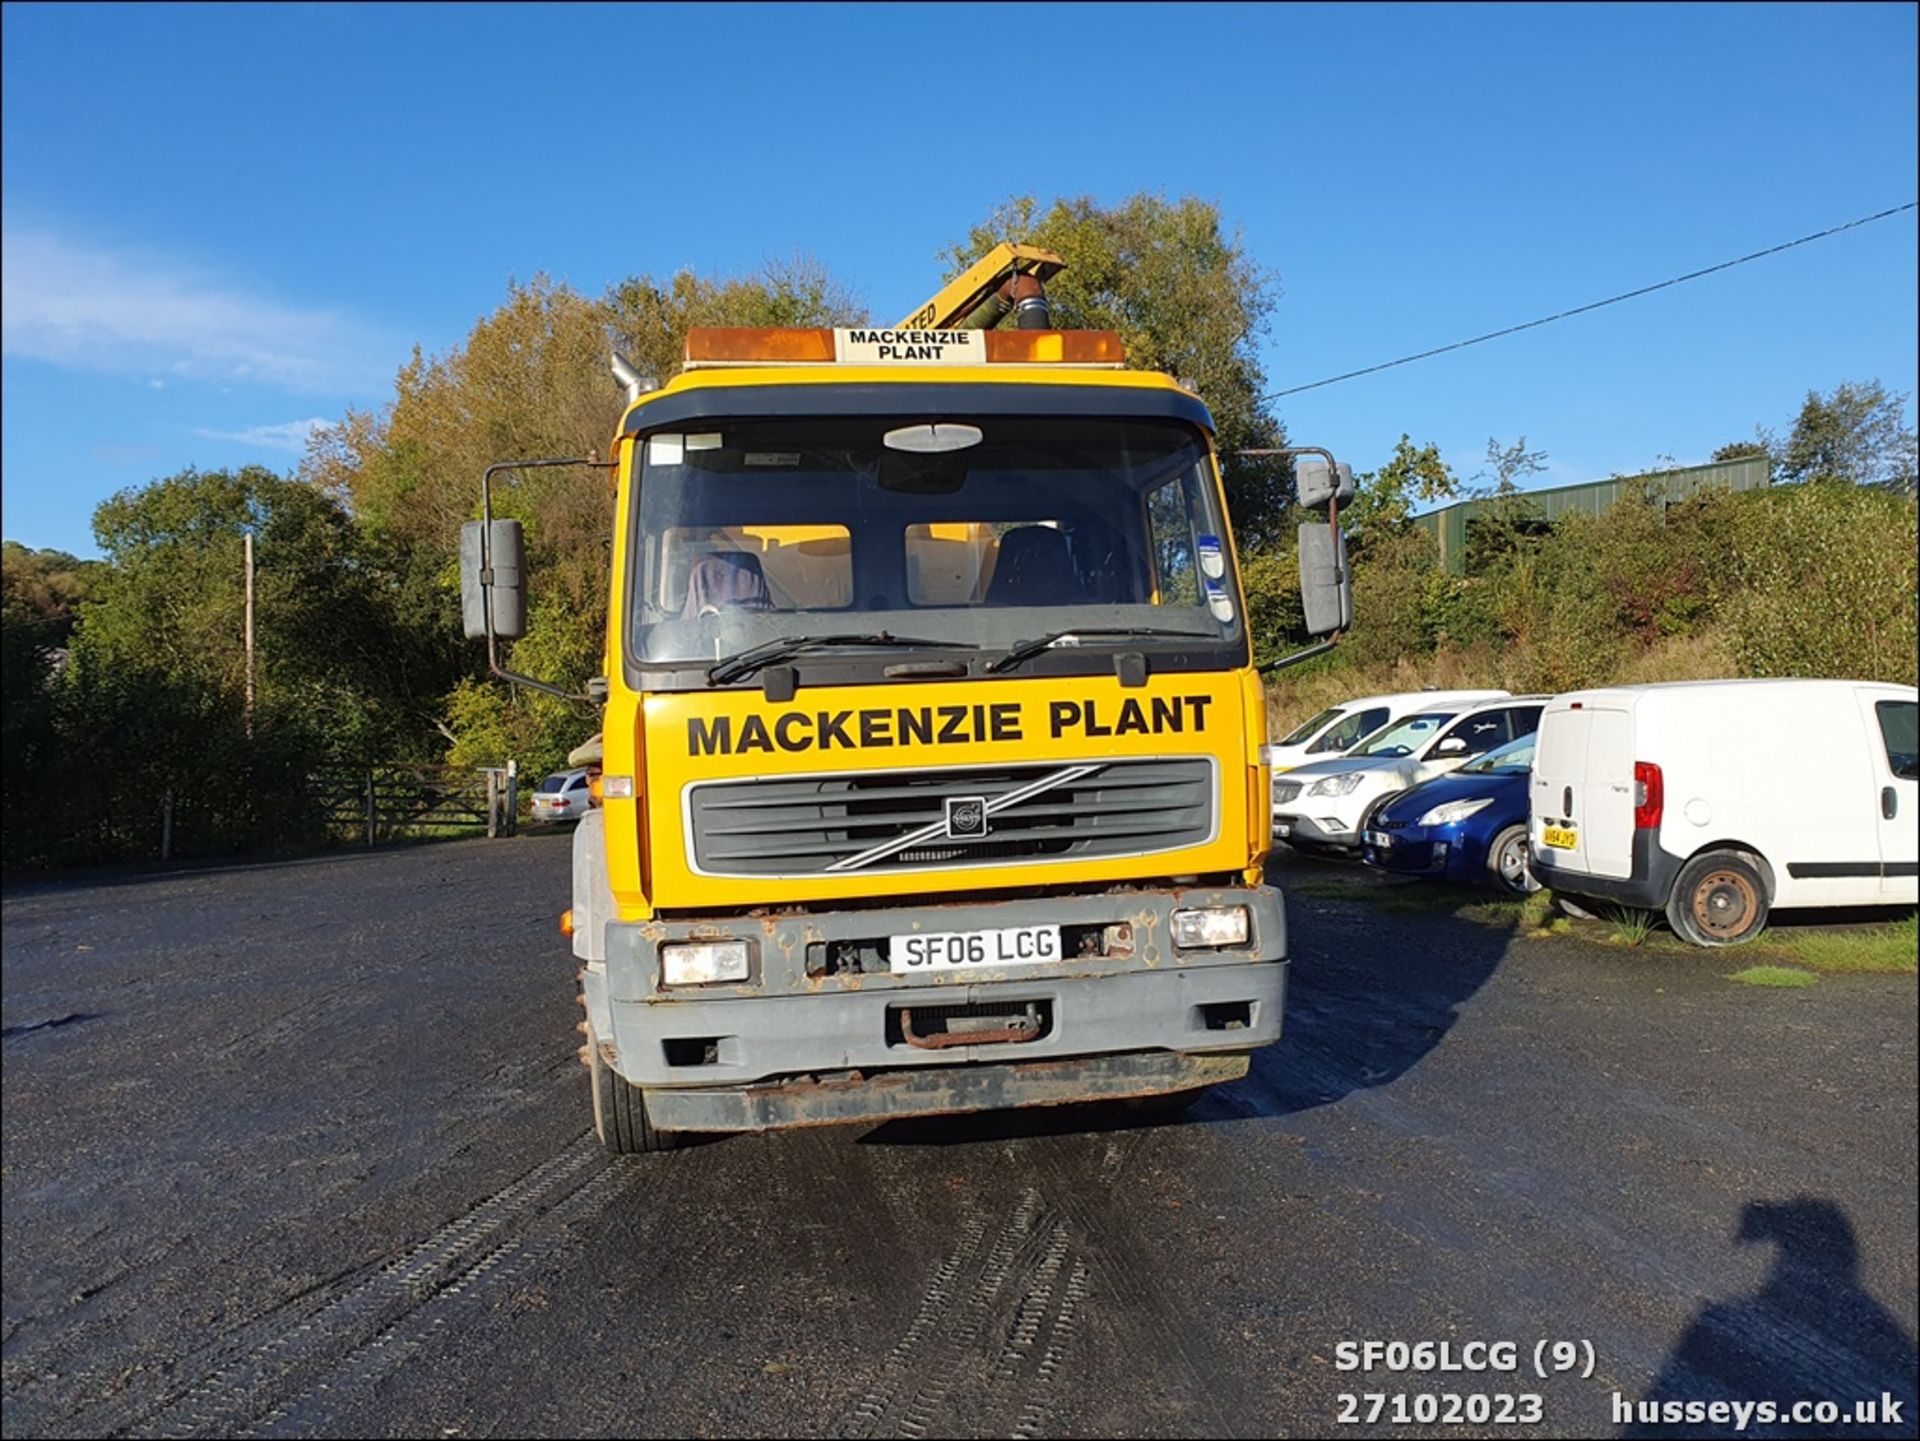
[486, 569]
[1308, 654]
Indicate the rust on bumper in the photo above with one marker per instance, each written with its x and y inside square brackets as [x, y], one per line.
[871, 1096]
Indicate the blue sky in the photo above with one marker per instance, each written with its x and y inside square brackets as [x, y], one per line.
[222, 224]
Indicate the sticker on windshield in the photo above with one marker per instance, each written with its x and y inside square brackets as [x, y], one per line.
[1218, 601]
[666, 449]
[1213, 562]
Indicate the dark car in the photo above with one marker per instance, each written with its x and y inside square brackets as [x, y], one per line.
[1468, 827]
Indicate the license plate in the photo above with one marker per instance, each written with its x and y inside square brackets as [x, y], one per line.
[1561, 838]
[1379, 838]
[974, 950]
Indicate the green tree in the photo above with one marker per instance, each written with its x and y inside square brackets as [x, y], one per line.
[39, 593]
[1855, 435]
[1384, 499]
[151, 708]
[1186, 299]
[1741, 450]
[530, 380]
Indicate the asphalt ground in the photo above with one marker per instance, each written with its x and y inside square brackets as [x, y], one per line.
[303, 1147]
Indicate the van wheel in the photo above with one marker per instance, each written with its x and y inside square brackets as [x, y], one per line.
[1719, 899]
[620, 1110]
[1509, 864]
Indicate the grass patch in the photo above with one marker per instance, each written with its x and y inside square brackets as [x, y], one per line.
[1884, 949]
[1632, 926]
[1790, 977]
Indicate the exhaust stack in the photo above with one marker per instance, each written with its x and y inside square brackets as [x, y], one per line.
[637, 384]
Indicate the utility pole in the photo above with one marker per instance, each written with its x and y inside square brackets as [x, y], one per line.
[249, 711]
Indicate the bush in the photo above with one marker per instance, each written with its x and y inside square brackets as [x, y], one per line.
[1802, 580]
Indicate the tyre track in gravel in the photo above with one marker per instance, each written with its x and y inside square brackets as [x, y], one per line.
[334, 1395]
[248, 1375]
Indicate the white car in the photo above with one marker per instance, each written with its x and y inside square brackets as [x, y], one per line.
[562, 796]
[1328, 803]
[1720, 801]
[1336, 730]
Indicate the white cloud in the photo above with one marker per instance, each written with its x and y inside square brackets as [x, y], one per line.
[290, 436]
[98, 309]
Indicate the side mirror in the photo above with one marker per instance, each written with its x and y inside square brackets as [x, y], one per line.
[1316, 482]
[1451, 746]
[1326, 588]
[498, 586]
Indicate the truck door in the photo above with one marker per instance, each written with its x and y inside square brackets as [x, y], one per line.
[1606, 827]
[1559, 780]
[1894, 729]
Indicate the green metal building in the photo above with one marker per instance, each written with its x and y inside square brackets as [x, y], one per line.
[1448, 525]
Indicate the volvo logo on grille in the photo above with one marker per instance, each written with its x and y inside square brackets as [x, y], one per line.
[966, 816]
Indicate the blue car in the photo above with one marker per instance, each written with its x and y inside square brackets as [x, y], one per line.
[1467, 827]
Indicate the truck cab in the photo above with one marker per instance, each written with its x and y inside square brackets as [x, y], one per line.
[930, 776]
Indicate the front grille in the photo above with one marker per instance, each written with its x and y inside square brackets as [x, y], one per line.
[813, 824]
[1284, 791]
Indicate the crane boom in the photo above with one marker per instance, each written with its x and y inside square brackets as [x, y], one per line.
[953, 307]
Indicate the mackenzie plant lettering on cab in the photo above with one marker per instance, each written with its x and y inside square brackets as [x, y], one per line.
[882, 727]
[930, 734]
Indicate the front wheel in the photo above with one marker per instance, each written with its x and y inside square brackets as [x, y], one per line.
[1509, 863]
[1719, 899]
[620, 1110]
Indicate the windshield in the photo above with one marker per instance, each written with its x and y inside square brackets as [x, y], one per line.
[1405, 738]
[1311, 728]
[551, 784]
[774, 529]
[1515, 758]
[1355, 727]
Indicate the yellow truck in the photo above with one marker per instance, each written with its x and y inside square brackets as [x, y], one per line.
[930, 774]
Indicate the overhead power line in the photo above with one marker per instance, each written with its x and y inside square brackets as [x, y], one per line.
[1594, 305]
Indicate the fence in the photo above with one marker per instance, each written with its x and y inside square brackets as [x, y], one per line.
[382, 802]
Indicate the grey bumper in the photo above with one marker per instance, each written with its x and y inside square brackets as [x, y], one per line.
[1292, 826]
[789, 1024]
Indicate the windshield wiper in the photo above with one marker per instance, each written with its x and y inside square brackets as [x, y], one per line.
[1027, 649]
[754, 657]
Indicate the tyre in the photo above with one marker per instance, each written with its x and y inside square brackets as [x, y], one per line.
[620, 1110]
[1509, 864]
[1719, 899]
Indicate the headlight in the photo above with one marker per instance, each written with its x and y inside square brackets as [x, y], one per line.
[1214, 926]
[699, 963]
[1344, 784]
[1451, 811]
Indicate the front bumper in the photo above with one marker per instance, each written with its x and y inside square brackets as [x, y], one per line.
[1316, 831]
[1425, 851]
[931, 1091]
[793, 1022]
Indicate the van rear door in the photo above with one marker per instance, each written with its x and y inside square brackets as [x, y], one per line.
[1582, 799]
[1559, 779]
[1606, 824]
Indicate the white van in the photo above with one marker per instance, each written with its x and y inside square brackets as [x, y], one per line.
[1336, 730]
[1718, 801]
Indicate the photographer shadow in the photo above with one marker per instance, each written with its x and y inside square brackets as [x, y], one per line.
[1810, 1333]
